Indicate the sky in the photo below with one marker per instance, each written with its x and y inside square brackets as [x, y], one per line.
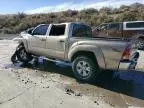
[46, 6]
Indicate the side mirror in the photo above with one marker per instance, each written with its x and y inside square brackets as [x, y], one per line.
[29, 31]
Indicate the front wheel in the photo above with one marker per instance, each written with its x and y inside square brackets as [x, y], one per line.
[85, 69]
[23, 56]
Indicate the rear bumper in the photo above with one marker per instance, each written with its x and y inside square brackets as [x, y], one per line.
[126, 65]
[129, 64]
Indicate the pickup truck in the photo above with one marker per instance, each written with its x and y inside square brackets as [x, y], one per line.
[119, 29]
[74, 43]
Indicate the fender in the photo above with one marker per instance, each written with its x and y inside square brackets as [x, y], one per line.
[20, 41]
[90, 48]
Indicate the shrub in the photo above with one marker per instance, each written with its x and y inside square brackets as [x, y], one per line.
[18, 22]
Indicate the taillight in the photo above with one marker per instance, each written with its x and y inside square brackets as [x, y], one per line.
[126, 53]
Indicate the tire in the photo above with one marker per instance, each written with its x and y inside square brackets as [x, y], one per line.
[85, 69]
[14, 58]
[26, 58]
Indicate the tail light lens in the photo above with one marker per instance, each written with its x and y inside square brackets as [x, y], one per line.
[126, 53]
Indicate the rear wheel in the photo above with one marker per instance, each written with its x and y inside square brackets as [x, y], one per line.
[23, 56]
[85, 69]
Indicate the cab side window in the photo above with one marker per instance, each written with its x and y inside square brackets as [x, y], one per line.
[41, 30]
[57, 30]
[135, 25]
[81, 31]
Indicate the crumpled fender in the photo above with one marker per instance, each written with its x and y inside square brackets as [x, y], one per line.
[22, 40]
[18, 39]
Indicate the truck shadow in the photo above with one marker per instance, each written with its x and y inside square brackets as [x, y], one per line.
[128, 83]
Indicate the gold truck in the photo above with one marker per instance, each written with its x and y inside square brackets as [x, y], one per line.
[74, 43]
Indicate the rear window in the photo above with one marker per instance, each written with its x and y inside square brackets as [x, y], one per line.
[114, 26]
[135, 25]
[81, 30]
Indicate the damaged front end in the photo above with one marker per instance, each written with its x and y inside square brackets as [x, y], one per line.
[21, 43]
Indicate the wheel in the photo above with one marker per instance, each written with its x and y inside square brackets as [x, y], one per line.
[85, 69]
[23, 56]
[14, 58]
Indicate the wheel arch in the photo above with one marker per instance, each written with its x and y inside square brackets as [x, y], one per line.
[87, 50]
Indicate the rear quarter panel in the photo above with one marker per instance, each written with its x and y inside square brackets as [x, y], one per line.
[90, 48]
[108, 52]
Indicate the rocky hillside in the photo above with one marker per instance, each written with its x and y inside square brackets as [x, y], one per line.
[18, 22]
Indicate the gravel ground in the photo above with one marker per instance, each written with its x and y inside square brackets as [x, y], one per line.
[8, 36]
[52, 85]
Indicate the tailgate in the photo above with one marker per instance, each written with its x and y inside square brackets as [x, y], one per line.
[131, 62]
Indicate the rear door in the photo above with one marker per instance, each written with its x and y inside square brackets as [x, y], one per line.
[56, 41]
[37, 40]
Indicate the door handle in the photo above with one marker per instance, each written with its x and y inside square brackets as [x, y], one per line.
[61, 41]
[43, 39]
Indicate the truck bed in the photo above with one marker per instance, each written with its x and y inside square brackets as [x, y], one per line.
[112, 48]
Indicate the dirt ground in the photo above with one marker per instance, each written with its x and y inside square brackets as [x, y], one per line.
[52, 85]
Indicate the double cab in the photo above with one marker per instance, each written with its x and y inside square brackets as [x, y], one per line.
[75, 43]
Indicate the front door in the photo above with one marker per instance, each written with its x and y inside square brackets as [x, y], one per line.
[56, 41]
[37, 40]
